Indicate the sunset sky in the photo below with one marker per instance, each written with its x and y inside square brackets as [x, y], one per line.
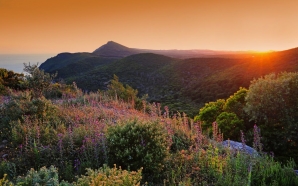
[54, 26]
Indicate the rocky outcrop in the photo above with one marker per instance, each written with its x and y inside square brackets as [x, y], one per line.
[239, 146]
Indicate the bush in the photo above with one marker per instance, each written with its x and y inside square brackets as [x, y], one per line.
[23, 106]
[134, 144]
[7, 169]
[118, 90]
[110, 177]
[180, 141]
[272, 102]
[38, 81]
[209, 113]
[267, 171]
[5, 182]
[230, 125]
[42, 177]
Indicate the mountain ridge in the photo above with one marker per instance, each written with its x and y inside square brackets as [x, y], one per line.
[114, 49]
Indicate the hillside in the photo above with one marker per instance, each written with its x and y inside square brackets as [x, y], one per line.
[182, 84]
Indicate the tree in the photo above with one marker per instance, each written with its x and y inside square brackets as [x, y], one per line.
[37, 80]
[230, 125]
[209, 113]
[118, 90]
[236, 102]
[272, 102]
[10, 79]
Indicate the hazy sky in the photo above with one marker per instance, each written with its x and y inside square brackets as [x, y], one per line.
[54, 26]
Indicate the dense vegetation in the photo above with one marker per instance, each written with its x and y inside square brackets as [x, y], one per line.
[57, 135]
[10, 79]
[271, 102]
[182, 84]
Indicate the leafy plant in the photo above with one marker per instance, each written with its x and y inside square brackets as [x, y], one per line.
[230, 125]
[271, 102]
[180, 141]
[5, 182]
[37, 80]
[8, 170]
[236, 102]
[24, 107]
[118, 90]
[135, 144]
[110, 177]
[209, 113]
[42, 177]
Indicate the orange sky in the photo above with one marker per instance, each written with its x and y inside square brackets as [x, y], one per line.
[54, 26]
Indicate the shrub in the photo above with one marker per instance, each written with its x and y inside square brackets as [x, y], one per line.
[236, 103]
[23, 106]
[110, 177]
[180, 141]
[5, 182]
[230, 125]
[10, 79]
[134, 144]
[37, 80]
[266, 171]
[42, 177]
[118, 90]
[272, 102]
[7, 169]
[209, 113]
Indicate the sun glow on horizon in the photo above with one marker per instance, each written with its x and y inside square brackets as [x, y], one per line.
[54, 26]
[263, 51]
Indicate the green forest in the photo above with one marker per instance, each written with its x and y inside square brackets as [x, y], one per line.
[55, 133]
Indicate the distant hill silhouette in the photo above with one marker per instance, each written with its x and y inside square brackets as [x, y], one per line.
[182, 84]
[113, 49]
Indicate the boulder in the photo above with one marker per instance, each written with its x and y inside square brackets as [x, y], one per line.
[234, 145]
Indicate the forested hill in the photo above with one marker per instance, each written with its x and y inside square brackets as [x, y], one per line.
[182, 84]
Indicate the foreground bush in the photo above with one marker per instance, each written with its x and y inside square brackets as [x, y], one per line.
[110, 177]
[42, 177]
[5, 182]
[134, 144]
[103, 176]
[23, 106]
[272, 102]
[222, 167]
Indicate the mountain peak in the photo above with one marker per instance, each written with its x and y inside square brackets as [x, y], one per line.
[112, 42]
[113, 49]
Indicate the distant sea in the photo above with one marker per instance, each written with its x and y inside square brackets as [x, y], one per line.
[16, 62]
